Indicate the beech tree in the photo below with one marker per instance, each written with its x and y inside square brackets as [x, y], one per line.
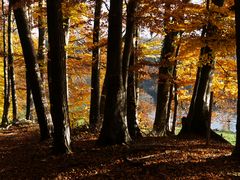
[95, 78]
[6, 102]
[57, 77]
[132, 97]
[32, 69]
[160, 126]
[11, 72]
[199, 111]
[114, 129]
[129, 77]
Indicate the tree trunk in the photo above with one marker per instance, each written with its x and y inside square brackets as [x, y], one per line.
[129, 79]
[41, 39]
[201, 105]
[102, 102]
[175, 109]
[173, 92]
[95, 81]
[132, 115]
[165, 74]
[114, 130]
[32, 69]
[57, 77]
[198, 115]
[29, 104]
[5, 71]
[41, 61]
[130, 27]
[11, 68]
[236, 151]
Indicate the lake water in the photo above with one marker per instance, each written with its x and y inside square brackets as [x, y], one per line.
[222, 121]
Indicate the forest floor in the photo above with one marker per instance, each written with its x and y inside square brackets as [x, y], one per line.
[22, 156]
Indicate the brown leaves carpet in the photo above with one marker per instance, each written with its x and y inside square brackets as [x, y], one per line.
[22, 156]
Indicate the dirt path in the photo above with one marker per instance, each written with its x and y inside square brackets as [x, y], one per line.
[23, 157]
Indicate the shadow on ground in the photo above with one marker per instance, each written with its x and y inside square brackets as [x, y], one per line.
[24, 157]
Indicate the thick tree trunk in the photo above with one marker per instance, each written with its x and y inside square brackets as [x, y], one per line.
[165, 74]
[236, 151]
[95, 81]
[190, 112]
[114, 130]
[11, 68]
[57, 77]
[5, 71]
[196, 121]
[32, 69]
[200, 113]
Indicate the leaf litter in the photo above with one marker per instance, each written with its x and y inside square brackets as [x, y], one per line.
[22, 156]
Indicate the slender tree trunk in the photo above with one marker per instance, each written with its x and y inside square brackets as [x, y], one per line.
[5, 71]
[132, 115]
[29, 104]
[165, 74]
[66, 25]
[130, 27]
[169, 108]
[173, 93]
[29, 97]
[32, 69]
[175, 109]
[41, 39]
[236, 151]
[11, 68]
[175, 87]
[41, 61]
[114, 130]
[102, 102]
[95, 81]
[128, 60]
[57, 77]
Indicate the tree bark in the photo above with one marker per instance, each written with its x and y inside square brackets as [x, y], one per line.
[165, 74]
[198, 114]
[11, 68]
[29, 104]
[41, 39]
[95, 78]
[102, 102]
[32, 69]
[236, 151]
[57, 77]
[201, 105]
[130, 27]
[173, 91]
[114, 130]
[129, 78]
[132, 114]
[5, 71]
